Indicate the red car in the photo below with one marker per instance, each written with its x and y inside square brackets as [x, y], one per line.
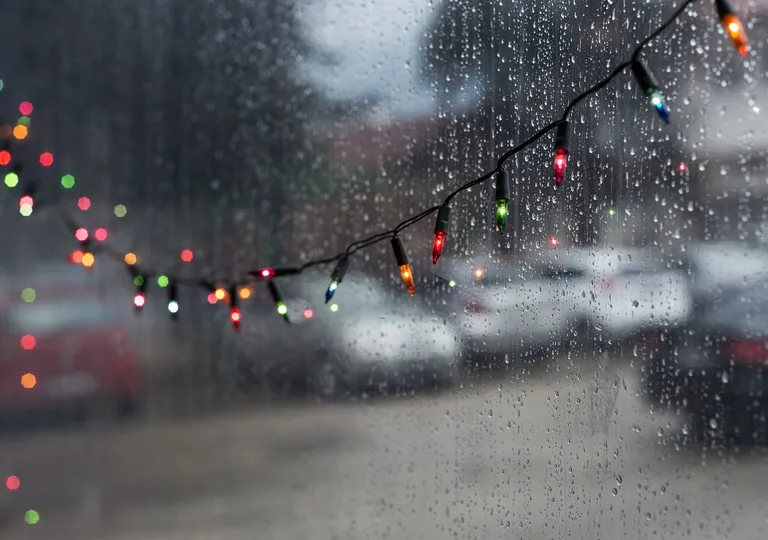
[66, 351]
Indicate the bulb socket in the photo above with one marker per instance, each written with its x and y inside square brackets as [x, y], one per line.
[400, 254]
[724, 8]
[645, 78]
[563, 136]
[341, 268]
[443, 221]
[503, 191]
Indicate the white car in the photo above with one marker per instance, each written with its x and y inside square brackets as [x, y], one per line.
[368, 337]
[612, 292]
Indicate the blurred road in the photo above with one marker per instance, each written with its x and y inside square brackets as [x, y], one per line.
[566, 451]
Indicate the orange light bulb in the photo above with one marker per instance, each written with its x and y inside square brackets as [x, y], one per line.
[407, 275]
[735, 30]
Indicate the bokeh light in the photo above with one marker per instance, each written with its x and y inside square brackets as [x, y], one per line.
[100, 234]
[83, 203]
[24, 121]
[187, 255]
[334, 308]
[212, 298]
[81, 234]
[308, 313]
[28, 342]
[26, 108]
[32, 517]
[76, 256]
[138, 280]
[130, 259]
[28, 295]
[162, 281]
[68, 181]
[88, 260]
[5, 157]
[220, 294]
[120, 210]
[245, 293]
[20, 132]
[26, 204]
[46, 159]
[11, 179]
[13, 483]
[28, 381]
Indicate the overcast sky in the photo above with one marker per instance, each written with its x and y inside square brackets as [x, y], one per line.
[376, 42]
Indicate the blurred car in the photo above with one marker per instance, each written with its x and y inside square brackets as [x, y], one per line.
[367, 337]
[65, 350]
[567, 293]
[716, 366]
[714, 266]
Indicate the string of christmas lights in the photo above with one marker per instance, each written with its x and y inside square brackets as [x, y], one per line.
[223, 289]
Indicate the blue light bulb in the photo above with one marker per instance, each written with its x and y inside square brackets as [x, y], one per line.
[331, 289]
[657, 100]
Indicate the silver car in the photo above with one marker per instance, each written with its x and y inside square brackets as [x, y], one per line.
[368, 336]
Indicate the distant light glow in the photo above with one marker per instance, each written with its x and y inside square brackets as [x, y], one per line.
[20, 132]
[479, 273]
[26, 108]
[32, 517]
[88, 260]
[81, 234]
[282, 309]
[308, 314]
[173, 306]
[234, 315]
[28, 381]
[28, 342]
[83, 203]
[130, 259]
[554, 241]
[187, 255]
[13, 483]
[5, 157]
[612, 212]
[245, 293]
[334, 308]
[163, 281]
[100, 234]
[46, 159]
[682, 167]
[451, 283]
[267, 272]
[139, 300]
[28, 295]
[68, 181]
[120, 210]
[11, 180]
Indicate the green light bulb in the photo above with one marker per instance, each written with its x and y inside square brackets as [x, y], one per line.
[138, 281]
[502, 210]
[163, 281]
[11, 179]
[282, 309]
[68, 181]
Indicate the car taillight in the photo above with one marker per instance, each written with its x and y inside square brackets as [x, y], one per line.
[745, 351]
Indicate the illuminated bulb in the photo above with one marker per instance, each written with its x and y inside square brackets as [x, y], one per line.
[404, 264]
[187, 255]
[88, 260]
[649, 86]
[173, 307]
[84, 203]
[336, 277]
[234, 311]
[76, 256]
[245, 293]
[46, 159]
[173, 303]
[26, 204]
[277, 300]
[267, 272]
[503, 196]
[139, 300]
[220, 294]
[442, 223]
[733, 26]
[20, 132]
[26, 108]
[11, 180]
[100, 234]
[130, 259]
[81, 234]
[67, 181]
[212, 298]
[5, 157]
[562, 145]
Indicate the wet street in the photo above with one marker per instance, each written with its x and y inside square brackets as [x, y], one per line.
[566, 452]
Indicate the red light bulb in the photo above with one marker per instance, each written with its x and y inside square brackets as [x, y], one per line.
[76, 257]
[267, 272]
[187, 255]
[5, 157]
[26, 108]
[26, 200]
[46, 159]
[438, 245]
[100, 234]
[81, 234]
[561, 161]
[212, 298]
[84, 203]
[139, 300]
[234, 316]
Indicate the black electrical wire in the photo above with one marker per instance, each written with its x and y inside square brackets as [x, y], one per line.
[256, 275]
